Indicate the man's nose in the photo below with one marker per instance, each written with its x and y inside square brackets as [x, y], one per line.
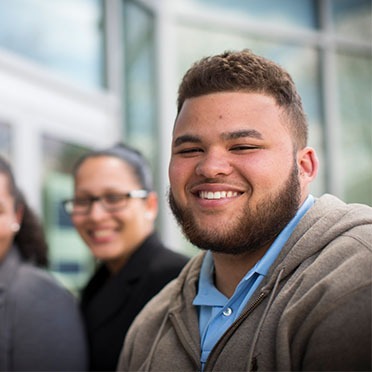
[212, 164]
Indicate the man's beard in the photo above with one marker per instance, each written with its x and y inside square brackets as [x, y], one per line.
[253, 230]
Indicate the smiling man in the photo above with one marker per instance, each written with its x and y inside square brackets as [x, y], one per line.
[282, 273]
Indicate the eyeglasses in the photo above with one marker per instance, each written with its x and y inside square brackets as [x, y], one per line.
[110, 202]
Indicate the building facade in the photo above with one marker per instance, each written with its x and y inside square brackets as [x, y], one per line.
[81, 74]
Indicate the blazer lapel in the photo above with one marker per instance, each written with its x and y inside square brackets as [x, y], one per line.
[104, 296]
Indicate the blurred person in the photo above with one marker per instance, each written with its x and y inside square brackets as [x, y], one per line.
[284, 282]
[40, 324]
[114, 210]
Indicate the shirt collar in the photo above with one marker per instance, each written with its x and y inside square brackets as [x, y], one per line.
[268, 259]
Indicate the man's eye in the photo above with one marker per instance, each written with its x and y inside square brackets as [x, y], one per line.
[244, 148]
[189, 150]
[114, 198]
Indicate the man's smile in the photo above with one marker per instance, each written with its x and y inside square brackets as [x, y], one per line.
[210, 195]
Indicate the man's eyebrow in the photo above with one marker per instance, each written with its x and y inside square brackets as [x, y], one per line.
[252, 133]
[186, 138]
[241, 134]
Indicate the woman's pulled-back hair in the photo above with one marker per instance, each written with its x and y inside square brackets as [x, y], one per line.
[128, 155]
[236, 71]
[30, 239]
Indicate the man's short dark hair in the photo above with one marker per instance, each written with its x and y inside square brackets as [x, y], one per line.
[244, 71]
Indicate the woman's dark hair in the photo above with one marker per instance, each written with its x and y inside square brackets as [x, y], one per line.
[30, 238]
[130, 156]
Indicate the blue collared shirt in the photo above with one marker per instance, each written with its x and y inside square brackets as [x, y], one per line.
[217, 312]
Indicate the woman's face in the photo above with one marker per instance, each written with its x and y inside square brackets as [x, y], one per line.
[112, 236]
[8, 217]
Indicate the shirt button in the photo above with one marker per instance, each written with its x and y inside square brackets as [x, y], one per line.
[227, 312]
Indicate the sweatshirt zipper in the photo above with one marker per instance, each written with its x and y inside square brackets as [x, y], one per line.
[221, 342]
[237, 323]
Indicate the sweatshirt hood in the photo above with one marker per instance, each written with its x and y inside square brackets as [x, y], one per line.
[328, 219]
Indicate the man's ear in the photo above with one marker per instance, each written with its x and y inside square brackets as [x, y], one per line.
[308, 165]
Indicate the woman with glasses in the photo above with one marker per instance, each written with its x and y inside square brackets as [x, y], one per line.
[40, 324]
[114, 210]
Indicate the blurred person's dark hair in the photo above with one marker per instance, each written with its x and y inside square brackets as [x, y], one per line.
[130, 156]
[30, 238]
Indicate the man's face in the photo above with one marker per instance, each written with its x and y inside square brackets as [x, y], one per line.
[234, 177]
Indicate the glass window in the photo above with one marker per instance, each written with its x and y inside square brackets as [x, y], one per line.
[70, 259]
[65, 35]
[140, 96]
[281, 13]
[355, 94]
[353, 18]
[5, 140]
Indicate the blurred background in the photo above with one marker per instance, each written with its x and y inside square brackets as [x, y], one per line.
[82, 74]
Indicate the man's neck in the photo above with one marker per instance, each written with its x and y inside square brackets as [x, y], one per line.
[230, 269]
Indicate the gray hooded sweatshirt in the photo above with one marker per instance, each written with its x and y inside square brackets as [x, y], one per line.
[311, 313]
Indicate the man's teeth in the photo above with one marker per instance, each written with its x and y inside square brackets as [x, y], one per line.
[217, 194]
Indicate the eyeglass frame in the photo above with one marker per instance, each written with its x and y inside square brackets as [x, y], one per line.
[134, 194]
